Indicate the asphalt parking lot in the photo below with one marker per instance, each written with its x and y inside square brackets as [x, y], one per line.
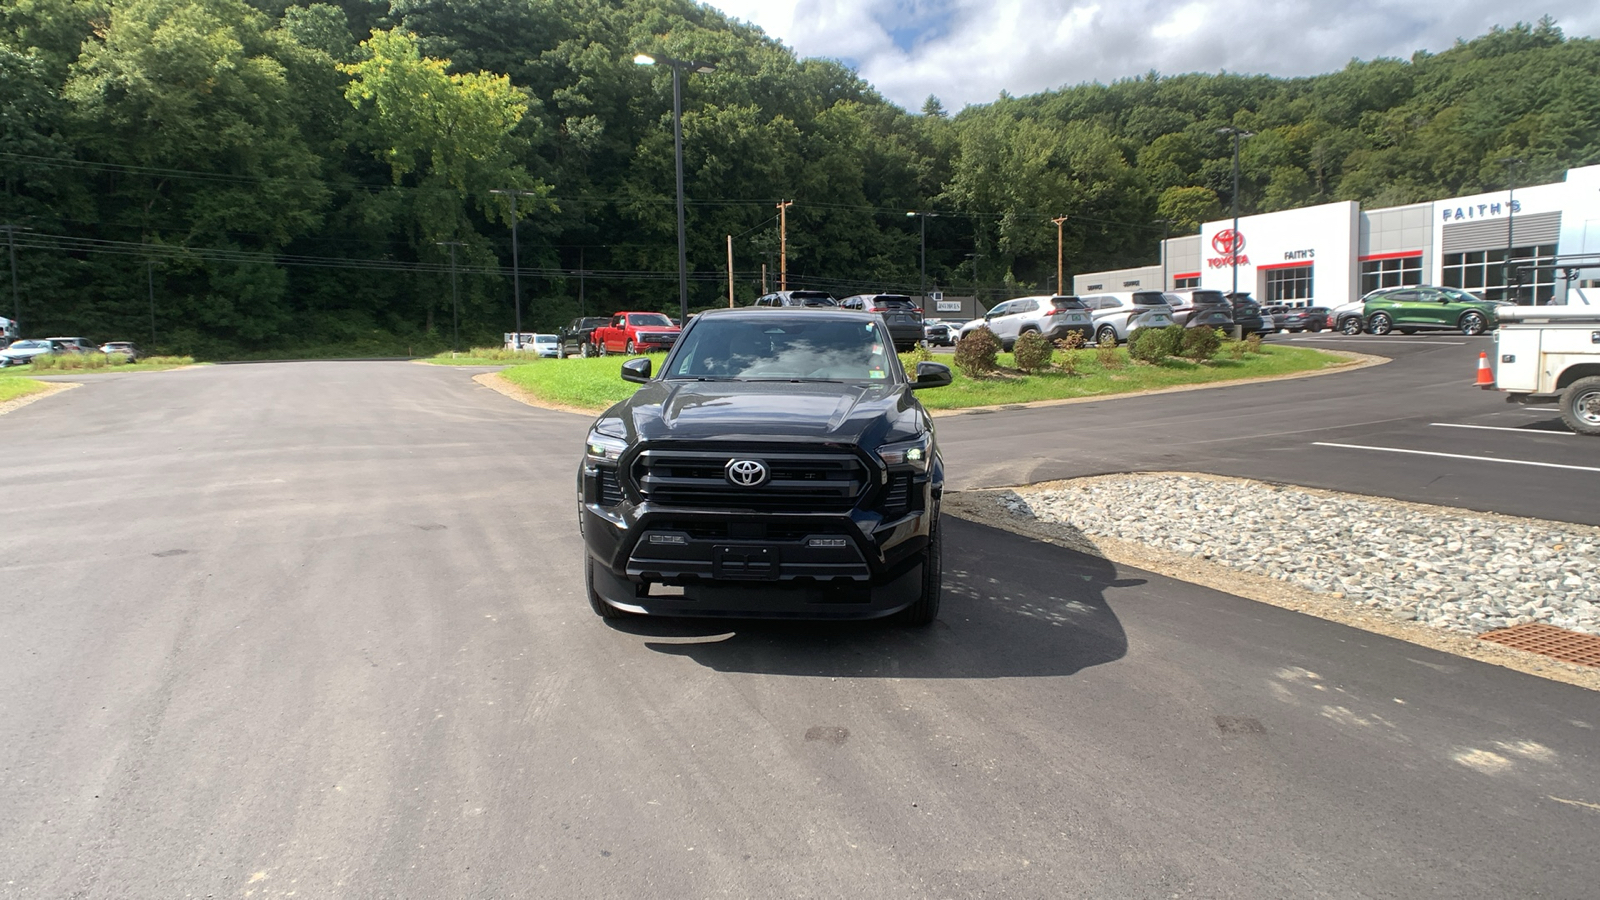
[318, 629]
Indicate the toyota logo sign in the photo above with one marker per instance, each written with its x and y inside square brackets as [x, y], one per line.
[746, 472]
[1227, 241]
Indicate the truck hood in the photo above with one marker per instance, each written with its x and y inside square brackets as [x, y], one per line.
[864, 414]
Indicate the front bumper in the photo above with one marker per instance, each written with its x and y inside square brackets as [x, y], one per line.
[656, 559]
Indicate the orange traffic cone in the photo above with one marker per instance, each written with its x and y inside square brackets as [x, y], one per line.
[1485, 374]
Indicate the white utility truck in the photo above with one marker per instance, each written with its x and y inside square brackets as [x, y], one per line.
[1551, 354]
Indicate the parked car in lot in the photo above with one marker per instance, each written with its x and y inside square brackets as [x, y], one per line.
[777, 465]
[547, 346]
[1053, 315]
[21, 353]
[74, 344]
[1248, 315]
[577, 338]
[1428, 308]
[1348, 318]
[635, 332]
[125, 349]
[801, 299]
[1117, 314]
[899, 312]
[1299, 318]
[1186, 301]
[938, 334]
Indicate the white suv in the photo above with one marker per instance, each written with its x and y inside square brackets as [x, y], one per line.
[1054, 316]
[1117, 314]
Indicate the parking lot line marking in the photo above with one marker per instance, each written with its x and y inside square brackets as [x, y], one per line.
[1513, 462]
[1503, 428]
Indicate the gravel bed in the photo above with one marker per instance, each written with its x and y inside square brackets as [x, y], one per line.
[1460, 571]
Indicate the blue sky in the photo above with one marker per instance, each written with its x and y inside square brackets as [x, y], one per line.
[968, 51]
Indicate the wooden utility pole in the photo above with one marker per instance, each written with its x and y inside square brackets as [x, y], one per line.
[783, 244]
[1061, 270]
[730, 271]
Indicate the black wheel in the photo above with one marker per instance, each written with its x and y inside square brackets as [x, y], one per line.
[1106, 336]
[1380, 323]
[1351, 325]
[926, 609]
[1473, 323]
[601, 608]
[1580, 405]
[1314, 327]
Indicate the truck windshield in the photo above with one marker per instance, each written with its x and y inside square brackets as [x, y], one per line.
[785, 349]
[650, 320]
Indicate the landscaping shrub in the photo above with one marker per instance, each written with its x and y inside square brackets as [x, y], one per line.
[1236, 349]
[1033, 352]
[1200, 344]
[1253, 343]
[1069, 347]
[75, 361]
[922, 354]
[169, 360]
[1108, 357]
[976, 352]
[1152, 345]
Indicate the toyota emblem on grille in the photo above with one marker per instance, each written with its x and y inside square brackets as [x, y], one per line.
[746, 472]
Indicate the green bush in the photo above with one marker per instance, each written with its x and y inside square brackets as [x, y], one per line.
[1200, 344]
[75, 361]
[1033, 352]
[921, 353]
[976, 352]
[1152, 345]
[1252, 343]
[1236, 349]
[1069, 347]
[169, 360]
[1108, 357]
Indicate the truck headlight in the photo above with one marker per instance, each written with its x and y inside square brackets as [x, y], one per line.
[912, 454]
[604, 446]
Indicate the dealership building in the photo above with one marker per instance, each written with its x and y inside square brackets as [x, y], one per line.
[1335, 253]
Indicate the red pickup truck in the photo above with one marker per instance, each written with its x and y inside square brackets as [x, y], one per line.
[635, 332]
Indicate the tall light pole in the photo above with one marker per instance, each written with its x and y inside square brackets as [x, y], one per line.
[1511, 164]
[16, 297]
[455, 300]
[1233, 251]
[1061, 269]
[516, 267]
[924, 217]
[678, 65]
[1166, 225]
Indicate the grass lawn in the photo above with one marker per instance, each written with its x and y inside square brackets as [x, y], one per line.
[483, 356]
[12, 387]
[596, 383]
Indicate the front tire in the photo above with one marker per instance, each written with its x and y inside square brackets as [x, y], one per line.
[601, 608]
[1380, 323]
[1106, 336]
[1351, 326]
[1473, 324]
[926, 609]
[628, 348]
[1580, 405]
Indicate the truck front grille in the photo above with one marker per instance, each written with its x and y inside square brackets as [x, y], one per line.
[808, 482]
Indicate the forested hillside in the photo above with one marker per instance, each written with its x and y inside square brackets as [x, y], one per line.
[264, 179]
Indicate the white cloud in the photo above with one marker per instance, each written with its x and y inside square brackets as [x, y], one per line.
[979, 48]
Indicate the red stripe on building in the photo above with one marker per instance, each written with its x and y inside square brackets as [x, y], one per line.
[1292, 265]
[1403, 254]
[1186, 275]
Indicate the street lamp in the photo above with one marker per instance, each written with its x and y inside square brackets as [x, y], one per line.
[1234, 244]
[924, 217]
[455, 300]
[1511, 163]
[678, 65]
[516, 268]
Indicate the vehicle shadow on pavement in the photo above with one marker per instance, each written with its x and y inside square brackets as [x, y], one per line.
[1012, 607]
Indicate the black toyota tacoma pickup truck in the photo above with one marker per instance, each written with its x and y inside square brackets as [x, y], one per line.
[778, 465]
[577, 338]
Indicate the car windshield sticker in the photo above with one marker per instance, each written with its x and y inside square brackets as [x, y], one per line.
[877, 373]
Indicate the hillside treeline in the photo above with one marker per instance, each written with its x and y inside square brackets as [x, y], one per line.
[232, 179]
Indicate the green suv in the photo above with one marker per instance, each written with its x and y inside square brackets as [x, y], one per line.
[1412, 309]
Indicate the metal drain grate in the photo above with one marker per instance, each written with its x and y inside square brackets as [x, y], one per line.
[1548, 640]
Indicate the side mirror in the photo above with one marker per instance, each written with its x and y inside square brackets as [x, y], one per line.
[931, 375]
[636, 370]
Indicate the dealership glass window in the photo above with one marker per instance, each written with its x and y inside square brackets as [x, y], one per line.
[1404, 271]
[1290, 284]
[1192, 281]
[1483, 272]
